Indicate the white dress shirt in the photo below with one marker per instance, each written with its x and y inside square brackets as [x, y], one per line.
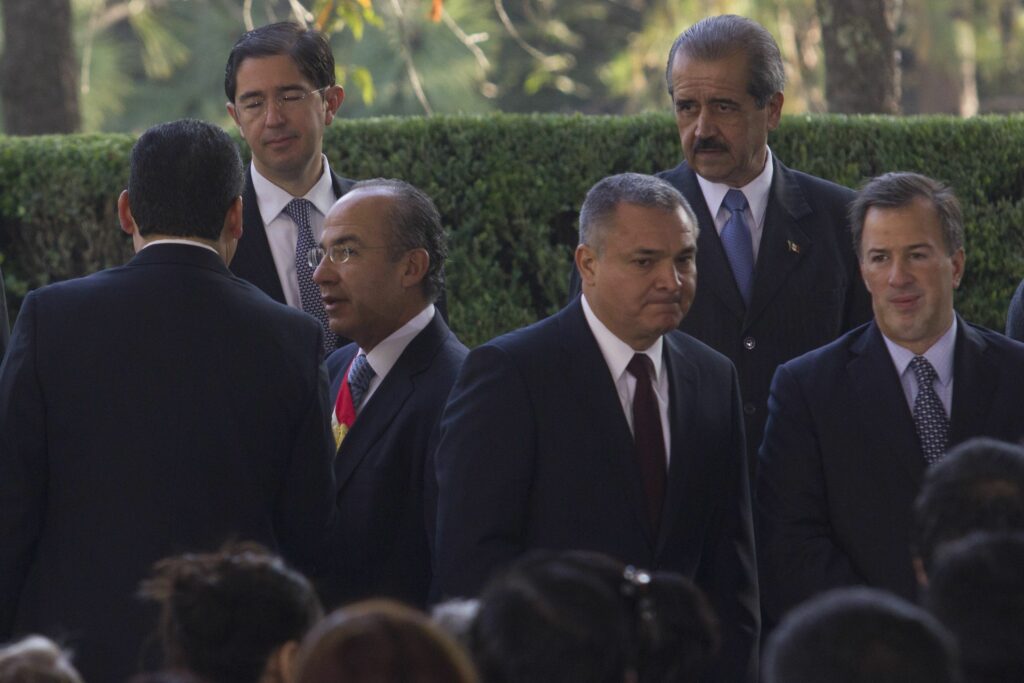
[756, 192]
[617, 355]
[384, 355]
[281, 230]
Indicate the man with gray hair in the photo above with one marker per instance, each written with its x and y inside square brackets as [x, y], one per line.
[604, 428]
[853, 426]
[778, 277]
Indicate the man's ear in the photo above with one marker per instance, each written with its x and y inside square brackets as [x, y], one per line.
[233, 219]
[280, 665]
[124, 214]
[919, 572]
[586, 262]
[417, 263]
[334, 96]
[234, 114]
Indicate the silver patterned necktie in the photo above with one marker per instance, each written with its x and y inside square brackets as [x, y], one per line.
[309, 293]
[930, 418]
[359, 376]
[737, 243]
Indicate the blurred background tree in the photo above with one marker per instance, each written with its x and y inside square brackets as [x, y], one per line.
[123, 65]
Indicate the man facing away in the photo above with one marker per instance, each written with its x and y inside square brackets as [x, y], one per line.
[777, 274]
[380, 268]
[279, 81]
[190, 410]
[853, 425]
[603, 428]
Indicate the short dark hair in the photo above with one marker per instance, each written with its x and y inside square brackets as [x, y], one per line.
[977, 486]
[307, 47]
[223, 614]
[859, 635]
[631, 188]
[582, 616]
[415, 224]
[184, 177]
[714, 38]
[897, 190]
[381, 640]
[977, 591]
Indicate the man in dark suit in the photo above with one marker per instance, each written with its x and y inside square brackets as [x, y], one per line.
[190, 410]
[279, 81]
[777, 274]
[603, 428]
[380, 267]
[853, 425]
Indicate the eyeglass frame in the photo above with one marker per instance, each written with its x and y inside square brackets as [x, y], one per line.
[283, 100]
[316, 254]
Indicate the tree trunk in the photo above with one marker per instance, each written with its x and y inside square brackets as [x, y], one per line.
[38, 72]
[861, 68]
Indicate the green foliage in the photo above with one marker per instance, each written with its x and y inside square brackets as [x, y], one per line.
[509, 188]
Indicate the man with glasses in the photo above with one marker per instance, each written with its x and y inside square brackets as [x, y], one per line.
[279, 81]
[380, 268]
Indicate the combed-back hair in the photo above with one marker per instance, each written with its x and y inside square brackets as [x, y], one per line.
[630, 188]
[184, 177]
[715, 38]
[307, 48]
[897, 190]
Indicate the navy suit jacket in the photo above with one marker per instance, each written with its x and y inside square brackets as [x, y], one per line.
[384, 468]
[536, 452]
[841, 463]
[190, 410]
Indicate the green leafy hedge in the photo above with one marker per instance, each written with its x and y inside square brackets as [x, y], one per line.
[509, 187]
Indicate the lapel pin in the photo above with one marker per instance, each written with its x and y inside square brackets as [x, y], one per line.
[793, 246]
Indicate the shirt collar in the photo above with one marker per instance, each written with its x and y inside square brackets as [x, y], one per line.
[272, 199]
[756, 192]
[616, 352]
[191, 243]
[384, 355]
[940, 354]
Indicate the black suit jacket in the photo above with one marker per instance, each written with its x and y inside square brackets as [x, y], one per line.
[384, 468]
[536, 452]
[190, 409]
[841, 463]
[5, 329]
[807, 284]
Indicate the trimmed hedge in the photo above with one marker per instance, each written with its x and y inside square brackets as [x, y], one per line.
[509, 188]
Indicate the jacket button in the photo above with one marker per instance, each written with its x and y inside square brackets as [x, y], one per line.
[749, 343]
[749, 408]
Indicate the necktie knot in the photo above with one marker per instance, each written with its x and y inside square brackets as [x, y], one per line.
[923, 370]
[640, 365]
[359, 376]
[735, 201]
[298, 211]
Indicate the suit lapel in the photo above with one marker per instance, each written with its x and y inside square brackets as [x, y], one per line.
[713, 270]
[783, 242]
[388, 400]
[882, 407]
[588, 373]
[975, 380]
[253, 260]
[682, 393]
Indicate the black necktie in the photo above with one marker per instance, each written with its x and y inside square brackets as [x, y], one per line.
[648, 438]
[929, 414]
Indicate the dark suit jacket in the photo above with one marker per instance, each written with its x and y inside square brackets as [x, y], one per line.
[536, 452]
[1015, 315]
[5, 329]
[841, 463]
[384, 468]
[253, 260]
[190, 409]
[807, 284]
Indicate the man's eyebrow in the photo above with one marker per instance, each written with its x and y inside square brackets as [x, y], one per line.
[249, 94]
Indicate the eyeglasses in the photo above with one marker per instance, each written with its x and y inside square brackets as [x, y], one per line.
[336, 253]
[256, 106]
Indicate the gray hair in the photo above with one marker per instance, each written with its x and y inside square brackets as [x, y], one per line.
[36, 659]
[632, 188]
[899, 189]
[714, 38]
[415, 224]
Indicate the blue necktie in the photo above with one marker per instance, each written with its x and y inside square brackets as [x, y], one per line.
[359, 376]
[309, 293]
[738, 246]
[929, 414]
